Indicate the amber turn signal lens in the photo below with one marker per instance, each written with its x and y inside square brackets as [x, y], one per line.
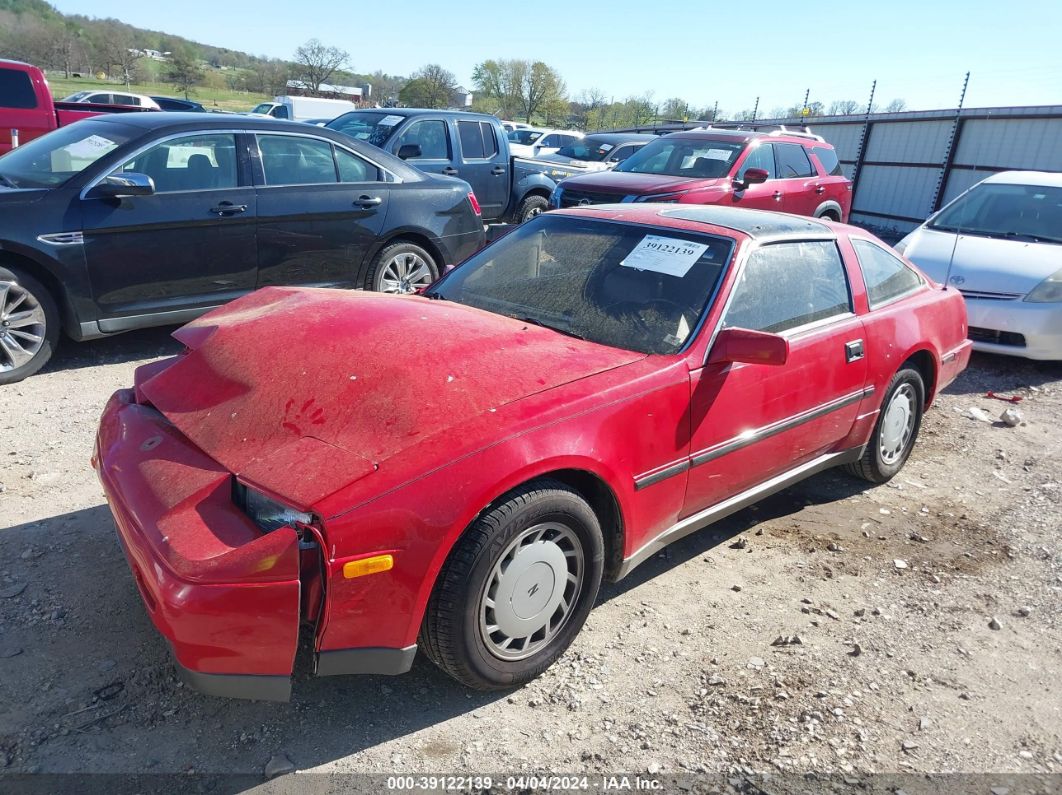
[373, 565]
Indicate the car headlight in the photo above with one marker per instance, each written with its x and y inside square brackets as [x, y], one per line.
[1049, 291]
[663, 198]
[268, 514]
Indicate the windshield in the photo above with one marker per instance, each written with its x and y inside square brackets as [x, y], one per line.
[373, 127]
[994, 209]
[80, 95]
[684, 157]
[264, 108]
[524, 136]
[589, 149]
[52, 159]
[634, 287]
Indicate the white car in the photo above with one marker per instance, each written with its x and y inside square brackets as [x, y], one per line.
[533, 141]
[509, 126]
[113, 98]
[1000, 244]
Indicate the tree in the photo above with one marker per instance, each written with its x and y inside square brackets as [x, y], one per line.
[184, 70]
[315, 63]
[676, 109]
[542, 87]
[117, 48]
[430, 87]
[843, 107]
[515, 87]
[896, 106]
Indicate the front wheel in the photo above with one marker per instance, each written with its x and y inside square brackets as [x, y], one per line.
[402, 268]
[896, 430]
[29, 325]
[516, 589]
[530, 207]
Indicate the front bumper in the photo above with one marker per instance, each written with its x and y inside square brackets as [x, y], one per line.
[224, 594]
[1016, 328]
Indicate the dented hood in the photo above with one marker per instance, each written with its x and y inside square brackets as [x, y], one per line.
[303, 391]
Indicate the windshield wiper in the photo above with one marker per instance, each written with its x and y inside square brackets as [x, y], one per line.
[536, 322]
[8, 181]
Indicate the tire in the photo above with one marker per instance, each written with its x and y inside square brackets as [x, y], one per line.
[402, 268]
[530, 207]
[29, 325]
[516, 551]
[896, 430]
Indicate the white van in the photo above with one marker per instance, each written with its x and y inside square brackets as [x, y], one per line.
[303, 108]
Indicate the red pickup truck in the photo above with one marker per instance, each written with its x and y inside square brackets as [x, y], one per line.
[27, 109]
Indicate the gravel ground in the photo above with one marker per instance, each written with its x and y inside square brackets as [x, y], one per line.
[833, 628]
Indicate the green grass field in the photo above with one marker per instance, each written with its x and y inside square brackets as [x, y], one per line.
[212, 98]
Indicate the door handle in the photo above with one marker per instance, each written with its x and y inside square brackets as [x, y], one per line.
[853, 351]
[777, 195]
[820, 189]
[228, 208]
[368, 201]
[497, 171]
[450, 171]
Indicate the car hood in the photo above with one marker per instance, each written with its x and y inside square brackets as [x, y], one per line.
[11, 196]
[273, 379]
[590, 165]
[983, 264]
[622, 182]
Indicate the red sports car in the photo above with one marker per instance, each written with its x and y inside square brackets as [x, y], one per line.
[457, 470]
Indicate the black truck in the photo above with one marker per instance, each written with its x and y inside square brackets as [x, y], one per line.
[472, 146]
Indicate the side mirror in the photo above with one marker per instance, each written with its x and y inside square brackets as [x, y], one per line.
[409, 151]
[753, 176]
[749, 347]
[129, 183]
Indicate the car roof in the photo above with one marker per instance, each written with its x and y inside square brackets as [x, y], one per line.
[744, 136]
[421, 111]
[756, 224]
[620, 138]
[1049, 179]
[149, 120]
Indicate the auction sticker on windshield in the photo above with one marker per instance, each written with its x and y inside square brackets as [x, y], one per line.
[667, 255]
[391, 121]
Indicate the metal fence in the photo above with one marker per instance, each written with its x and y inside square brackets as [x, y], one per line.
[906, 165]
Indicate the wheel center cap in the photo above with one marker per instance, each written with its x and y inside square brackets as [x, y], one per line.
[533, 590]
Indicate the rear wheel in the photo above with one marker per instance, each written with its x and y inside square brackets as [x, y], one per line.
[516, 588]
[29, 325]
[530, 207]
[402, 268]
[896, 430]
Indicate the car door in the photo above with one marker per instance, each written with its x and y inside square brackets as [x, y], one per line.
[189, 245]
[800, 184]
[321, 210]
[432, 135]
[480, 166]
[752, 422]
[766, 195]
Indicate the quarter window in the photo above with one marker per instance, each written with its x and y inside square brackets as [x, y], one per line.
[430, 135]
[353, 169]
[289, 160]
[828, 157]
[792, 161]
[490, 139]
[887, 276]
[787, 285]
[195, 162]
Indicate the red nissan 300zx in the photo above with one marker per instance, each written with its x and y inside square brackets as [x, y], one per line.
[457, 471]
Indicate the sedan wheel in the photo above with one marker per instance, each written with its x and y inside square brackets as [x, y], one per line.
[402, 269]
[516, 587]
[29, 326]
[896, 430]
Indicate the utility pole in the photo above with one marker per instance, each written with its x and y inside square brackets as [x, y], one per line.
[755, 109]
[804, 110]
[861, 150]
[949, 150]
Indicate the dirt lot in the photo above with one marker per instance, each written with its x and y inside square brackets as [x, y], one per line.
[928, 613]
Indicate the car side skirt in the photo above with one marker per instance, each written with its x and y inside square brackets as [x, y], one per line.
[369, 660]
[702, 519]
[249, 686]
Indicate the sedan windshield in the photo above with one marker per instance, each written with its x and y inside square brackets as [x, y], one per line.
[524, 136]
[634, 287]
[588, 149]
[52, 159]
[684, 157]
[373, 127]
[996, 209]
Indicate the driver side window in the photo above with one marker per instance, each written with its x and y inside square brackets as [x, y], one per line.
[761, 156]
[431, 135]
[194, 162]
[786, 285]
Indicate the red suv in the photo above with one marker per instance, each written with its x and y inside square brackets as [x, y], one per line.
[794, 172]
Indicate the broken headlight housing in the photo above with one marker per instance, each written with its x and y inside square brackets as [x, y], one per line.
[265, 512]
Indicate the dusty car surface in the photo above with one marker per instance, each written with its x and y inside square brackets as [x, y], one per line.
[601, 383]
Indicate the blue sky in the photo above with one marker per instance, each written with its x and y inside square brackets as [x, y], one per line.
[699, 50]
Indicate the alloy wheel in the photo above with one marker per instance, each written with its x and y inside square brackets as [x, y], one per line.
[404, 274]
[22, 326]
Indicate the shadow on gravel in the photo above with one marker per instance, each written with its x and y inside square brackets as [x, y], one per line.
[131, 346]
[988, 371]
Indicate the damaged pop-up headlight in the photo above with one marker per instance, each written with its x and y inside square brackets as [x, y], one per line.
[268, 514]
